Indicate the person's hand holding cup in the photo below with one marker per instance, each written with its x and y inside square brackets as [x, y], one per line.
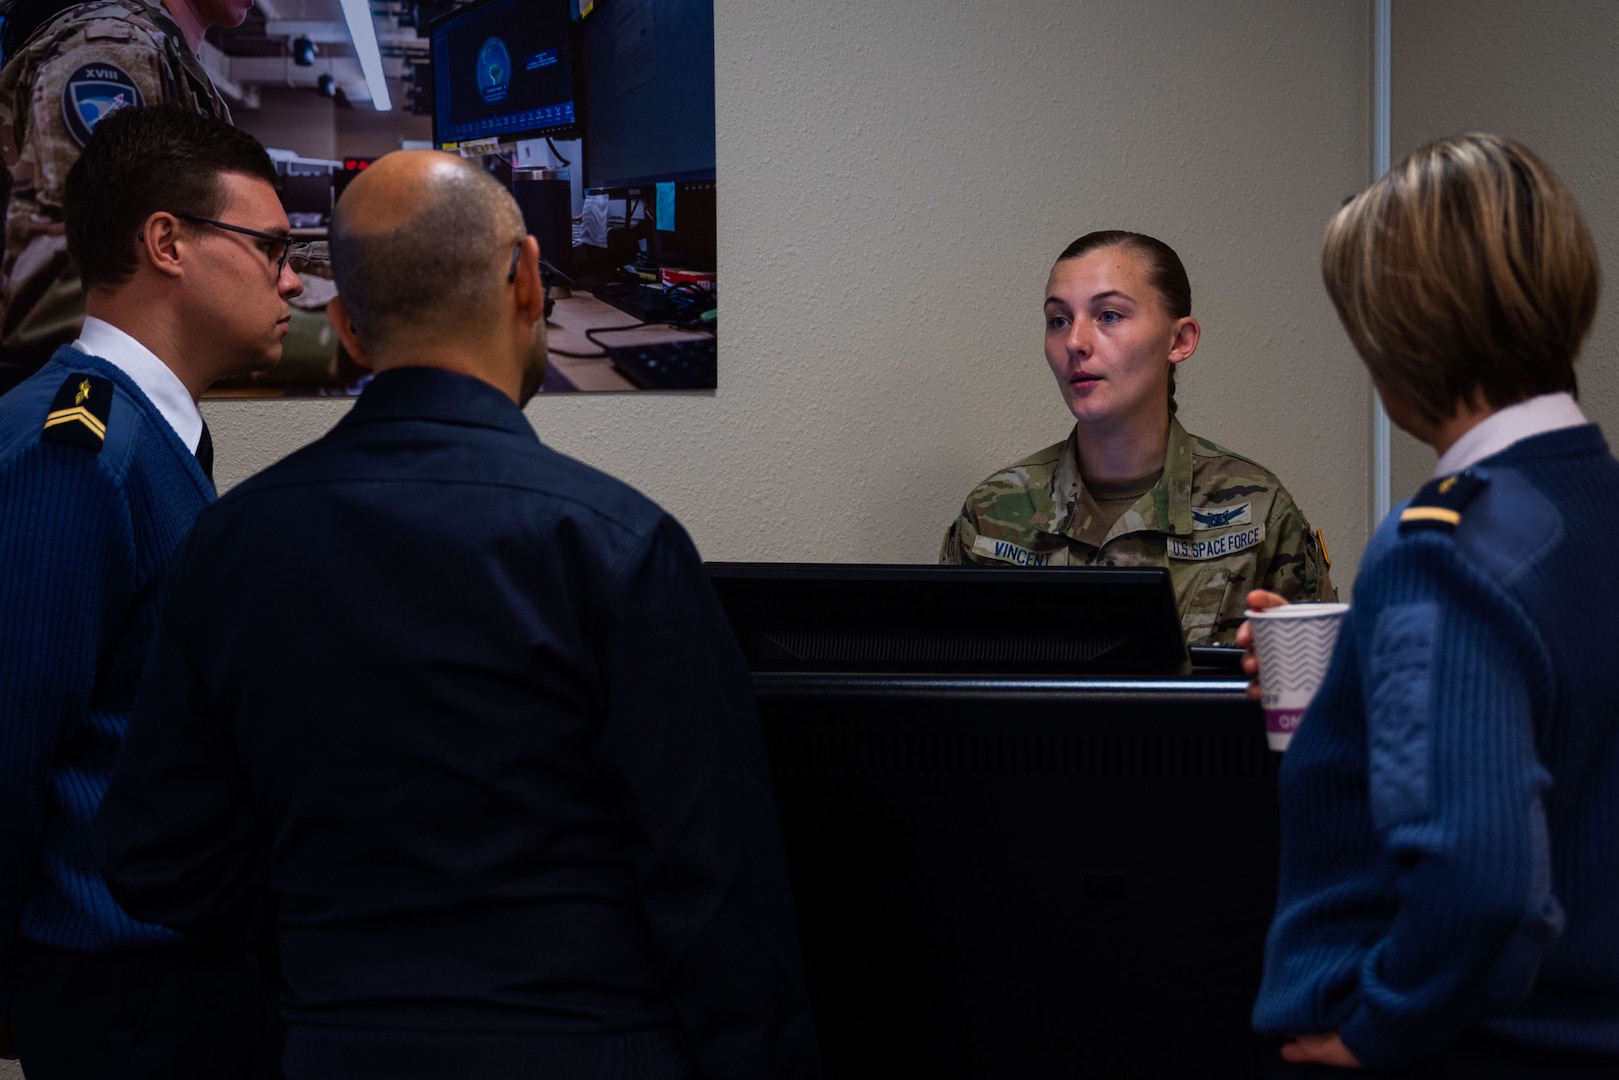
[1258, 600]
[1289, 647]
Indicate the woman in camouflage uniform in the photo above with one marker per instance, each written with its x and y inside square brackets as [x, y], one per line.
[1129, 486]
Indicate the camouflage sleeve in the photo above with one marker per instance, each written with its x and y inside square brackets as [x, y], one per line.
[957, 549]
[1298, 567]
[105, 64]
[311, 259]
[950, 553]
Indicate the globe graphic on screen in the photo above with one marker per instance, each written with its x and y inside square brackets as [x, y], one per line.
[494, 68]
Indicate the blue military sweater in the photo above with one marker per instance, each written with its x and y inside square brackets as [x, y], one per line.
[1450, 804]
[85, 535]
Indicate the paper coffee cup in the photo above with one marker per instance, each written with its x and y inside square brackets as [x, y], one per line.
[1294, 645]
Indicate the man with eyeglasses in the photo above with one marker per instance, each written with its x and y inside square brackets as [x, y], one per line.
[104, 465]
[484, 750]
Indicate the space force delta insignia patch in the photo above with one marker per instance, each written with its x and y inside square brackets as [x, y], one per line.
[93, 93]
[79, 412]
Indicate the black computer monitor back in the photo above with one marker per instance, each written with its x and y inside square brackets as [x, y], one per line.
[1023, 841]
[952, 620]
[1001, 877]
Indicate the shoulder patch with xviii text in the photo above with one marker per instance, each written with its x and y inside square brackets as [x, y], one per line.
[93, 93]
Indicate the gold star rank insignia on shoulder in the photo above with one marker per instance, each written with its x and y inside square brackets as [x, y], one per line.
[1440, 503]
[79, 411]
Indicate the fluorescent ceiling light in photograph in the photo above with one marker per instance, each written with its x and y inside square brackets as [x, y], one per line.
[364, 35]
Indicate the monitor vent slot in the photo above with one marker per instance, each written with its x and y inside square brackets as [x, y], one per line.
[931, 754]
[952, 645]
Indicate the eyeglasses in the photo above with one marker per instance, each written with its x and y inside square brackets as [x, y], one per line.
[517, 250]
[285, 242]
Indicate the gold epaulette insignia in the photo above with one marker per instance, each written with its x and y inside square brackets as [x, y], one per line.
[1440, 503]
[79, 412]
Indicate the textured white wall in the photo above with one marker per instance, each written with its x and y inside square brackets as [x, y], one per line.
[1542, 73]
[895, 181]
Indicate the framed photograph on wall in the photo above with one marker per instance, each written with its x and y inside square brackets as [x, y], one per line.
[598, 116]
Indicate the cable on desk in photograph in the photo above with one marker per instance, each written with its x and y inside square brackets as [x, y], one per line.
[590, 335]
[575, 355]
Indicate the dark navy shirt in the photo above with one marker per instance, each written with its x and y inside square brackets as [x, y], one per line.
[462, 717]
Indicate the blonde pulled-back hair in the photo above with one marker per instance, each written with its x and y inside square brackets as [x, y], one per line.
[1467, 271]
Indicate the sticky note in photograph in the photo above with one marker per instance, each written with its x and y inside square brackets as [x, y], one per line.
[666, 208]
[531, 154]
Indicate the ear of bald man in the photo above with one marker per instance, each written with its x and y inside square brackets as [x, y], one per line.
[502, 355]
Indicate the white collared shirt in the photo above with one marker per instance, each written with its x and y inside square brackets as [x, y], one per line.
[156, 380]
[1502, 428]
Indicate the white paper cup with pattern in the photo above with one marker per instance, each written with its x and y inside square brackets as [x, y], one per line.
[1294, 645]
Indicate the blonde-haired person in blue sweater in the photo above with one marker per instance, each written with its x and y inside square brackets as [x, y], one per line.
[1449, 895]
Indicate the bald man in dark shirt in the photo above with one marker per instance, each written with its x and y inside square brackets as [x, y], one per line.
[460, 716]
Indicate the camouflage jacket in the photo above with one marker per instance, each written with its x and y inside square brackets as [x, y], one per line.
[89, 60]
[1221, 523]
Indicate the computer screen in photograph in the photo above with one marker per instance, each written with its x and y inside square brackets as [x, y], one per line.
[504, 69]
